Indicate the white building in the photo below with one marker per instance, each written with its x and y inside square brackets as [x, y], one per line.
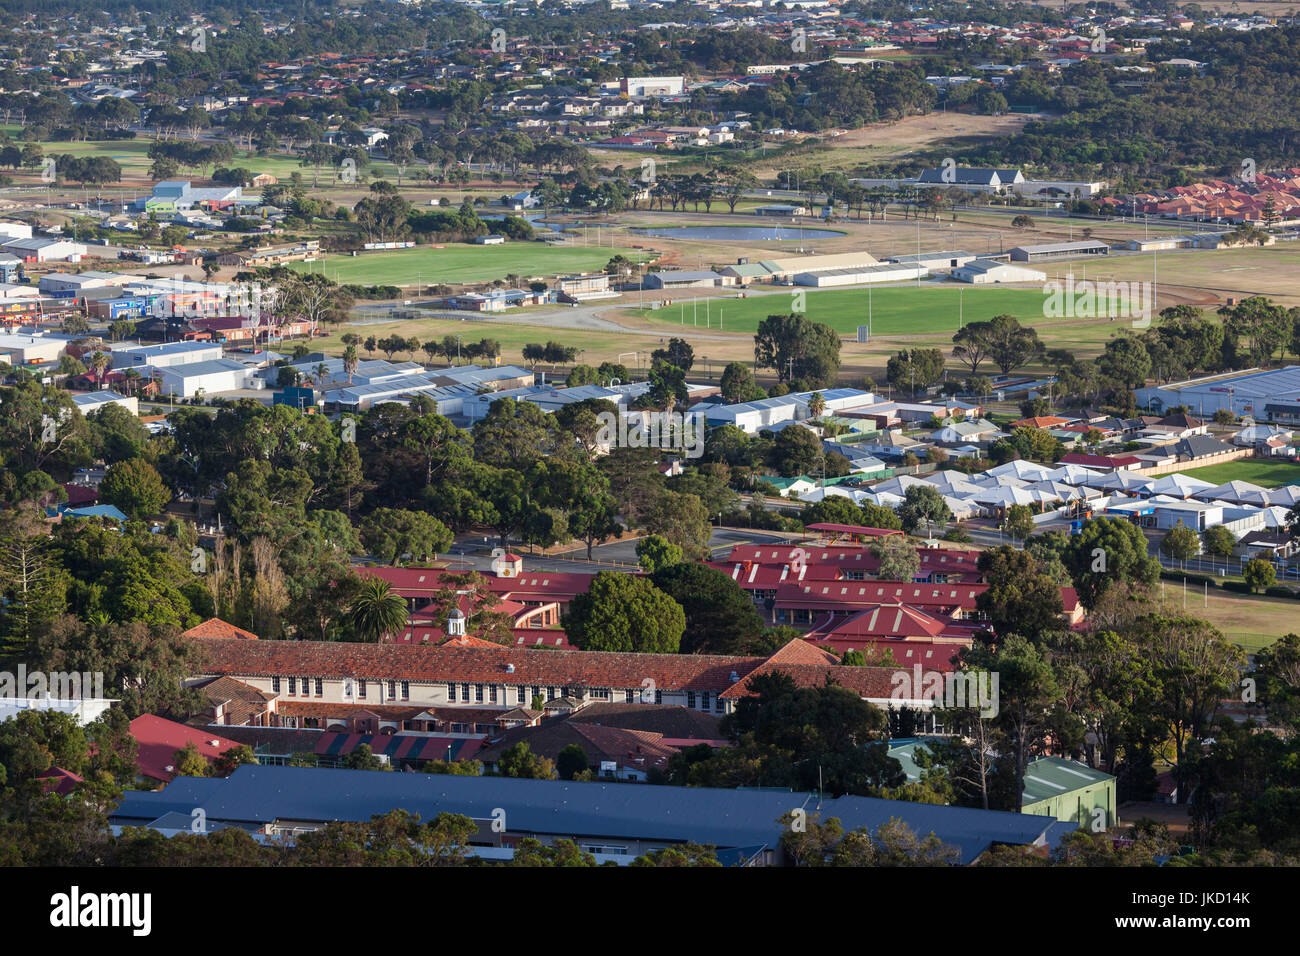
[752, 417]
[85, 709]
[211, 377]
[71, 282]
[14, 230]
[988, 272]
[21, 349]
[860, 275]
[643, 86]
[44, 250]
[166, 354]
[11, 291]
[94, 401]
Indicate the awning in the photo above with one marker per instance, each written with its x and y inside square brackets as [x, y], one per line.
[399, 746]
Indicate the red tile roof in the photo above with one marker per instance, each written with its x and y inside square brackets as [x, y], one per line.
[216, 627]
[1100, 461]
[473, 664]
[875, 683]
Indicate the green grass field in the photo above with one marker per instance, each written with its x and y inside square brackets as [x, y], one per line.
[895, 310]
[1269, 474]
[462, 263]
[1251, 620]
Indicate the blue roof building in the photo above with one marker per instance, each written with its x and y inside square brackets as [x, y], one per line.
[622, 820]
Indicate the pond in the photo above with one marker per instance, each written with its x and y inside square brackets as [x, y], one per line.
[738, 233]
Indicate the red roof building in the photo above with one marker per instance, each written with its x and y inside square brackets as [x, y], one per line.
[1113, 462]
[216, 627]
[159, 740]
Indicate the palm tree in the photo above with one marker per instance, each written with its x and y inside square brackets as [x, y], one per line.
[350, 361]
[99, 362]
[816, 404]
[377, 610]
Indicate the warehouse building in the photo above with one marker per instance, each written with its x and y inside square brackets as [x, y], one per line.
[1069, 791]
[14, 230]
[24, 349]
[552, 399]
[1272, 395]
[93, 401]
[331, 372]
[14, 291]
[684, 279]
[54, 283]
[211, 377]
[752, 417]
[615, 821]
[935, 261]
[1045, 252]
[447, 388]
[166, 354]
[988, 272]
[747, 270]
[44, 250]
[860, 275]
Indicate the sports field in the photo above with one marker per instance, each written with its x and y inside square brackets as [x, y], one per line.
[895, 310]
[1250, 620]
[1269, 474]
[460, 262]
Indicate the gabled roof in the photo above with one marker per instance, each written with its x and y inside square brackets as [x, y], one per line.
[1200, 446]
[550, 668]
[801, 652]
[1049, 777]
[216, 627]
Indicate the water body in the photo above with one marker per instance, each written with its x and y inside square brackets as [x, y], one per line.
[738, 233]
[537, 222]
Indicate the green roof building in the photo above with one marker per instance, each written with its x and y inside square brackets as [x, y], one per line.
[1069, 791]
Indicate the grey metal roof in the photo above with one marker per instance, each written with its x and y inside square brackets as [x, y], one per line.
[212, 367]
[683, 276]
[927, 256]
[724, 818]
[1078, 246]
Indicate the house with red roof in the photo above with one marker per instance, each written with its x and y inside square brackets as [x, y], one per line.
[159, 740]
[60, 781]
[1107, 462]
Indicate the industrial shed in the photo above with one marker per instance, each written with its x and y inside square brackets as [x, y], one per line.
[1045, 252]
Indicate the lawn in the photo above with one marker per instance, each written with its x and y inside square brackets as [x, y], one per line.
[895, 310]
[1252, 621]
[596, 346]
[1269, 474]
[461, 263]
